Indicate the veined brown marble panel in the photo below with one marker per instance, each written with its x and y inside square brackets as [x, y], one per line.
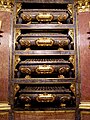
[83, 22]
[4, 55]
[45, 115]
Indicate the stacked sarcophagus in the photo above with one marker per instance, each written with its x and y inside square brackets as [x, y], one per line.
[44, 67]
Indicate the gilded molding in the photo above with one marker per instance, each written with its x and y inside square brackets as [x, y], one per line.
[6, 5]
[84, 105]
[5, 106]
[83, 6]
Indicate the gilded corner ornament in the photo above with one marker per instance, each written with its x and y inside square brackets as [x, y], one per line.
[6, 5]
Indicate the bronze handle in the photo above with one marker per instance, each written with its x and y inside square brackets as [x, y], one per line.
[44, 17]
[44, 69]
[45, 97]
[44, 42]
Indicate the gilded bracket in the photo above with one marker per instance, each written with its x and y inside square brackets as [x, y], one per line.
[70, 9]
[71, 33]
[18, 7]
[17, 60]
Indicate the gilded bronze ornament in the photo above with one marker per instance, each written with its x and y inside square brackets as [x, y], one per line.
[46, 17]
[17, 34]
[62, 17]
[26, 17]
[25, 43]
[63, 43]
[17, 60]
[44, 41]
[71, 33]
[64, 70]
[44, 69]
[25, 70]
[45, 97]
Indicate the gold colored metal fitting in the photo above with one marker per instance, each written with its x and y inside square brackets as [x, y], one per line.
[44, 41]
[25, 42]
[45, 97]
[44, 17]
[72, 60]
[71, 33]
[70, 8]
[18, 7]
[16, 88]
[17, 60]
[25, 70]
[18, 33]
[44, 69]
[6, 5]
[83, 6]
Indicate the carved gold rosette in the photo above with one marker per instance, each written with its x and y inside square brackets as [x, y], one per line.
[6, 5]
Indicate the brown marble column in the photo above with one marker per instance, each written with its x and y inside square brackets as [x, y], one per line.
[83, 29]
[5, 17]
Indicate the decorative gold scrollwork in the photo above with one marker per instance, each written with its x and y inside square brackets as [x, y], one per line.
[26, 17]
[45, 97]
[44, 41]
[44, 69]
[63, 70]
[63, 43]
[25, 43]
[44, 17]
[18, 33]
[17, 60]
[62, 17]
[18, 7]
[25, 70]
[72, 60]
[71, 33]
[70, 8]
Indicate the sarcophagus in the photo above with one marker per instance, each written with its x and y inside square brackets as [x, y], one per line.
[42, 67]
[62, 40]
[47, 96]
[61, 16]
